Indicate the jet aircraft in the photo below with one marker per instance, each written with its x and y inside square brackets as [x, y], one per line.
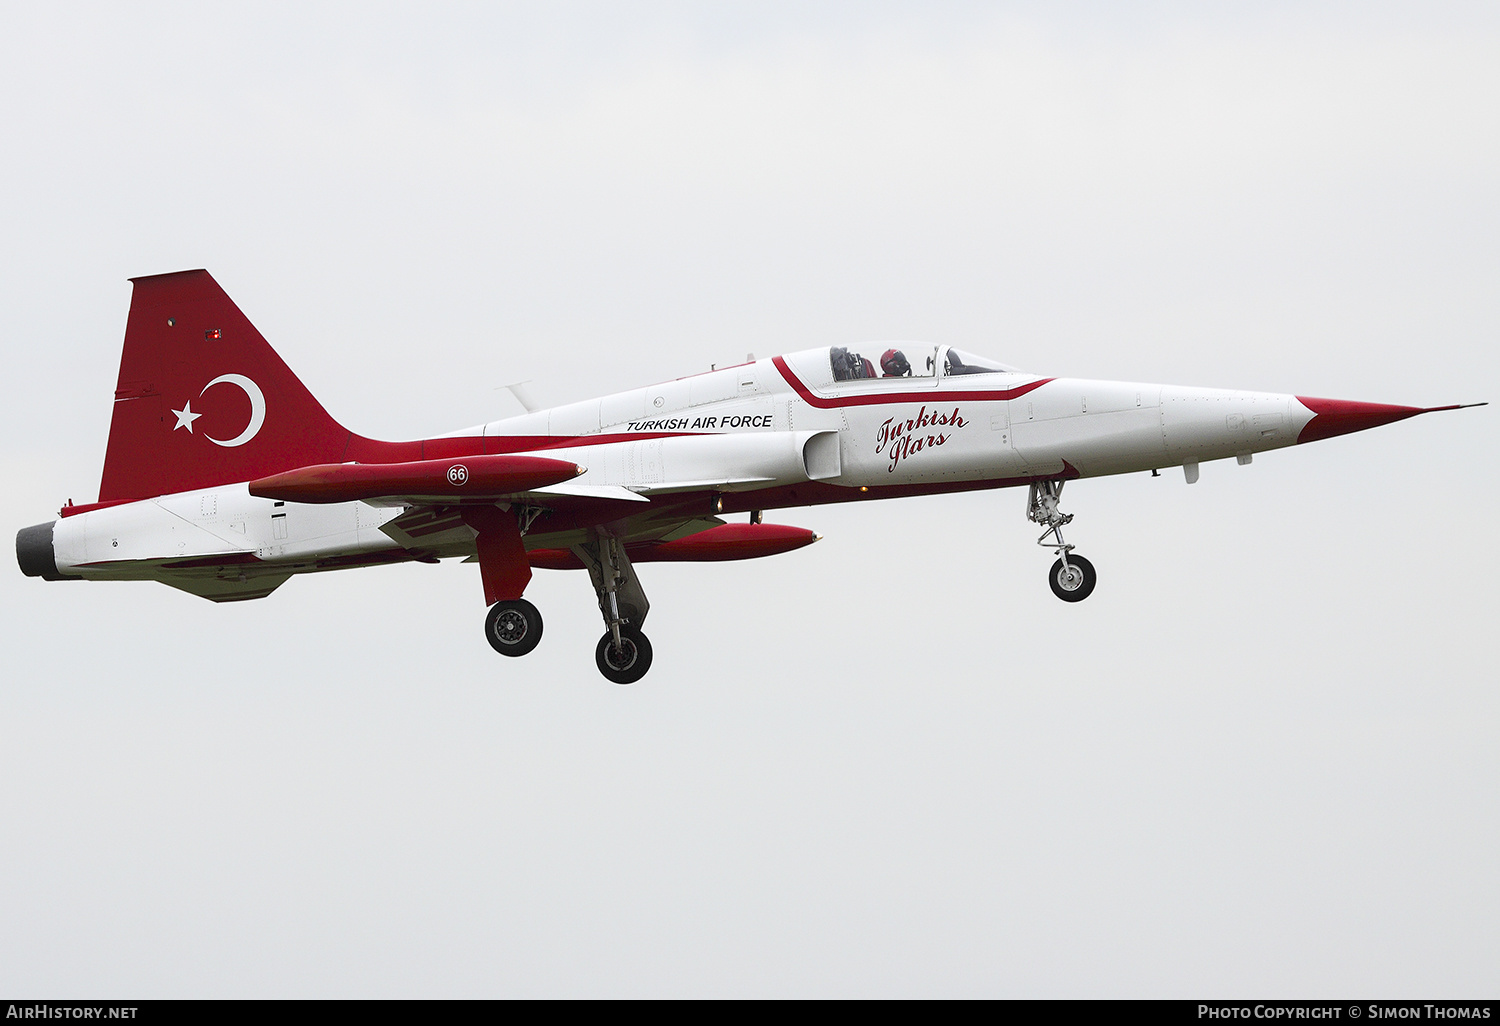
[224, 477]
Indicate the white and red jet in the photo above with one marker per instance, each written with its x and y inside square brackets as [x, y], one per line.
[224, 476]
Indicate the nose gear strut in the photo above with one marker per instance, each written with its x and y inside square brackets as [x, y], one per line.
[1072, 577]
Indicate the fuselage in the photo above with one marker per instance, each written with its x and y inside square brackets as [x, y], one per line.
[767, 434]
[224, 476]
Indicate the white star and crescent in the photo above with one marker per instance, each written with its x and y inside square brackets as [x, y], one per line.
[186, 416]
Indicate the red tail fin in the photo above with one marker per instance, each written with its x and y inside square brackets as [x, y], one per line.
[203, 400]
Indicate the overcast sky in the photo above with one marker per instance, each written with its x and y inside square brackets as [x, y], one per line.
[1259, 760]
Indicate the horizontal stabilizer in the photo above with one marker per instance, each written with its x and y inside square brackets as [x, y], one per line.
[475, 478]
[234, 589]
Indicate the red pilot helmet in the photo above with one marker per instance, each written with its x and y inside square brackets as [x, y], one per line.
[894, 364]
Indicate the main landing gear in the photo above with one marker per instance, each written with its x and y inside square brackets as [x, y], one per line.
[513, 628]
[1072, 577]
[624, 661]
[624, 653]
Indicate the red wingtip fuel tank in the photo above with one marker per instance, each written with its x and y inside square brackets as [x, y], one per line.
[1342, 416]
[733, 541]
[473, 477]
[717, 544]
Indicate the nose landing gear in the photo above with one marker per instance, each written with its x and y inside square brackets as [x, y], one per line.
[1072, 577]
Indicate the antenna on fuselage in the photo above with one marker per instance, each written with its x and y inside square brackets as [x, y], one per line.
[523, 394]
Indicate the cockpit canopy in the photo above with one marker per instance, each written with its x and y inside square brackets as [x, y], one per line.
[912, 360]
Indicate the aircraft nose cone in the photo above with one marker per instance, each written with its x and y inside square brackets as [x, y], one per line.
[1341, 416]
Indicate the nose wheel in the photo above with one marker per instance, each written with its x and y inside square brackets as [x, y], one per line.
[513, 627]
[1074, 580]
[1072, 577]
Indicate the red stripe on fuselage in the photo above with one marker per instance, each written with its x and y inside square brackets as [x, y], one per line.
[936, 395]
[367, 450]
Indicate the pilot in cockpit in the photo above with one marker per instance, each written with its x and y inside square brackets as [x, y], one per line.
[894, 364]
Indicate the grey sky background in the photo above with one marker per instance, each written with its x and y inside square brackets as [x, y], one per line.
[1261, 759]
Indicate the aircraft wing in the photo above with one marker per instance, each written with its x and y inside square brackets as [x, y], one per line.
[441, 529]
[497, 508]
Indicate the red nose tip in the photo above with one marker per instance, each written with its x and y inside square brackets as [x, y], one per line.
[1341, 416]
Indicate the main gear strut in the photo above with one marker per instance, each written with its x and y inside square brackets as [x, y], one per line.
[623, 654]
